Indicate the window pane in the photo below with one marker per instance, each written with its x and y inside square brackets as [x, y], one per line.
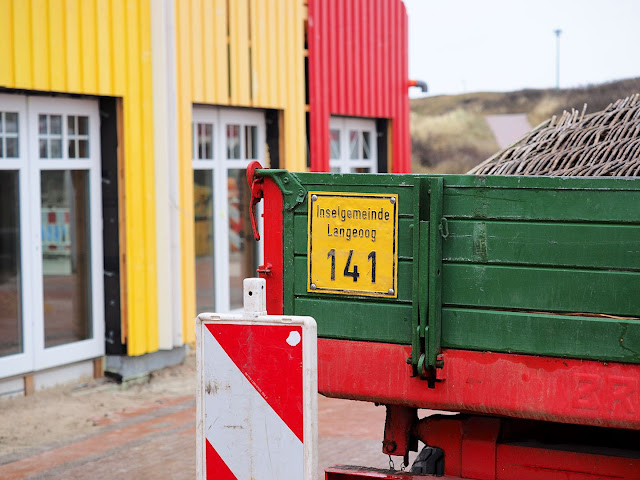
[366, 142]
[71, 125]
[72, 148]
[83, 125]
[11, 122]
[208, 132]
[242, 246]
[43, 149]
[205, 141]
[1, 121]
[42, 125]
[56, 124]
[360, 170]
[10, 271]
[251, 142]
[66, 256]
[203, 217]
[11, 145]
[233, 142]
[334, 142]
[55, 148]
[354, 145]
[83, 148]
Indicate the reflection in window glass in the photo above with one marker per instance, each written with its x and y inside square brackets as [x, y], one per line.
[55, 124]
[233, 142]
[203, 216]
[354, 145]
[10, 271]
[251, 142]
[83, 125]
[55, 148]
[334, 144]
[11, 122]
[42, 125]
[205, 141]
[242, 246]
[366, 150]
[66, 256]
[11, 148]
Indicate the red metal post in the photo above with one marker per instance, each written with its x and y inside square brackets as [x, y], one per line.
[398, 439]
[272, 270]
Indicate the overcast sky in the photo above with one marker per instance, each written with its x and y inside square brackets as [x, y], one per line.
[459, 46]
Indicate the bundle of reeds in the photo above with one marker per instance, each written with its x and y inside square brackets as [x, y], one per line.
[604, 143]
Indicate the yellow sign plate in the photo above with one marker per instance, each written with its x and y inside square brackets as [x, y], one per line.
[353, 244]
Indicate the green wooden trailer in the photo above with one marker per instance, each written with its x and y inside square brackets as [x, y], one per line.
[517, 297]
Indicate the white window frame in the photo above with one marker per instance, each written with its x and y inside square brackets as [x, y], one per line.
[221, 117]
[344, 125]
[21, 362]
[30, 165]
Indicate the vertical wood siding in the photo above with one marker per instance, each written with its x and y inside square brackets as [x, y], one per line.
[358, 66]
[240, 53]
[96, 47]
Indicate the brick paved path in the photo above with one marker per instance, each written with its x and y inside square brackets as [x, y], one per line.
[159, 444]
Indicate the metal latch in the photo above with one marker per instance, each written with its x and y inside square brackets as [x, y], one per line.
[264, 270]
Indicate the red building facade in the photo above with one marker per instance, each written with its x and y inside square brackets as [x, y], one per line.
[358, 67]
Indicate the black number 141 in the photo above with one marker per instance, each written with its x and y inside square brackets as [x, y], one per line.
[354, 272]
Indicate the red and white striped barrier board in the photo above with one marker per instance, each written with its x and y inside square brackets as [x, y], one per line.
[257, 393]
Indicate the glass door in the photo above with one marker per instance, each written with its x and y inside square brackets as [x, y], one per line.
[225, 141]
[51, 310]
[66, 221]
[16, 329]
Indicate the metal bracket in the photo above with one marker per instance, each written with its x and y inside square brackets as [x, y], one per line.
[293, 193]
[444, 228]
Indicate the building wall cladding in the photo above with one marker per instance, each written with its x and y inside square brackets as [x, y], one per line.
[358, 66]
[228, 53]
[95, 47]
[241, 54]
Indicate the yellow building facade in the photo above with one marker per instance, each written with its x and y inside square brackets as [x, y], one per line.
[137, 72]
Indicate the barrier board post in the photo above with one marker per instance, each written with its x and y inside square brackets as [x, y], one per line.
[257, 393]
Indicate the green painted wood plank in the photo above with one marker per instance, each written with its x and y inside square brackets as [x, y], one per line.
[549, 335]
[544, 289]
[358, 320]
[553, 244]
[555, 183]
[405, 282]
[352, 183]
[602, 206]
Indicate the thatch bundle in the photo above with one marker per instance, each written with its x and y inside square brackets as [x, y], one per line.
[605, 143]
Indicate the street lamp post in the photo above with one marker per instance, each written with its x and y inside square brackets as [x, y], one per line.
[557, 31]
